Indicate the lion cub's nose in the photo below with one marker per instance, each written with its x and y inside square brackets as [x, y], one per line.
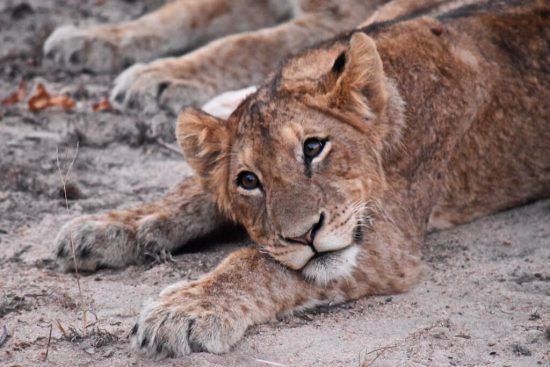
[308, 237]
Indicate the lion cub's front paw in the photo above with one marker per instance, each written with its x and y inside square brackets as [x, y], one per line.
[186, 319]
[93, 242]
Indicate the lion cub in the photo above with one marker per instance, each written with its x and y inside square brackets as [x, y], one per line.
[338, 166]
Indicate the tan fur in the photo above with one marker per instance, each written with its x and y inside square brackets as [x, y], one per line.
[177, 26]
[259, 34]
[124, 237]
[407, 8]
[428, 119]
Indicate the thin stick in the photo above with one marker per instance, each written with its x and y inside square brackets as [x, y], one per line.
[48, 345]
[269, 362]
[62, 329]
[5, 335]
[171, 148]
[380, 351]
[64, 179]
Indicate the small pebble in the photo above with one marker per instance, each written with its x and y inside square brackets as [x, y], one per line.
[520, 350]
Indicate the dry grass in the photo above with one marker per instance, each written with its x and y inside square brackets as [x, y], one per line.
[368, 358]
[97, 336]
[10, 302]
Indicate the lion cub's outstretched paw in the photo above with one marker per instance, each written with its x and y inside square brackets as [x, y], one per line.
[184, 320]
[96, 243]
[78, 49]
[155, 86]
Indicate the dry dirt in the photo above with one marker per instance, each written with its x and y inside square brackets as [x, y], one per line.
[484, 300]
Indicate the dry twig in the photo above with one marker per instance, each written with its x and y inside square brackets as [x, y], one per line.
[171, 148]
[5, 335]
[64, 178]
[269, 362]
[379, 352]
[48, 345]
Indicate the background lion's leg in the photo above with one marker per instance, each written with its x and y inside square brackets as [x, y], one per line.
[122, 237]
[411, 8]
[173, 28]
[232, 62]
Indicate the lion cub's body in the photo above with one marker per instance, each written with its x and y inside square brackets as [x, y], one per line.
[503, 160]
[484, 86]
[424, 121]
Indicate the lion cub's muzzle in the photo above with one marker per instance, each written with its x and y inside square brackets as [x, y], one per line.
[308, 238]
[299, 250]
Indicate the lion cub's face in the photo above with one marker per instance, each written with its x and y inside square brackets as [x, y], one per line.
[297, 181]
[298, 170]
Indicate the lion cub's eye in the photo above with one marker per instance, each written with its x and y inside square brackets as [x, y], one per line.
[313, 147]
[248, 181]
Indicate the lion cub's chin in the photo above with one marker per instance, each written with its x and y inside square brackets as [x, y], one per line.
[329, 266]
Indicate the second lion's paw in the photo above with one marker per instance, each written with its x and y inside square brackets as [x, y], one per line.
[79, 49]
[157, 85]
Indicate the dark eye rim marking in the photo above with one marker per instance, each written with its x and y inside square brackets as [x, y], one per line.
[239, 181]
[322, 143]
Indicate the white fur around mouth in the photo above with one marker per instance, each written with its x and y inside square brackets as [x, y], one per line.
[328, 266]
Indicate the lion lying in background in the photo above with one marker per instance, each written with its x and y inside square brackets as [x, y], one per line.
[249, 40]
[337, 167]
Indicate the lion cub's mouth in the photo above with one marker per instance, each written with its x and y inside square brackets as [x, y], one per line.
[322, 256]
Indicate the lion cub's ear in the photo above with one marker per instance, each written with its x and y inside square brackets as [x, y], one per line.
[356, 80]
[204, 141]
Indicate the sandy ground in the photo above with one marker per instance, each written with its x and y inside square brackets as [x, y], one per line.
[484, 300]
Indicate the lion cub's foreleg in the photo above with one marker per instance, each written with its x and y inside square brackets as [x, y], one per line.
[249, 288]
[122, 237]
[175, 27]
[212, 313]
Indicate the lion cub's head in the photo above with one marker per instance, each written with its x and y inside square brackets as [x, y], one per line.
[299, 161]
